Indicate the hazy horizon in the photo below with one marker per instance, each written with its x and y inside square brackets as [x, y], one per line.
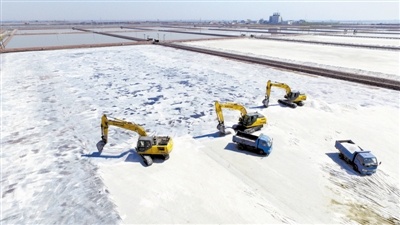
[131, 10]
[203, 20]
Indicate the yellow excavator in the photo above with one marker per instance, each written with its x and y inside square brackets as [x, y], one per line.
[147, 146]
[248, 122]
[292, 98]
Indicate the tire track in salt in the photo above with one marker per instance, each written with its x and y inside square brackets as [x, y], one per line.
[374, 198]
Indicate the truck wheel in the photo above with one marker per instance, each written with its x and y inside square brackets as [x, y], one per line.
[240, 146]
[166, 157]
[341, 156]
[261, 152]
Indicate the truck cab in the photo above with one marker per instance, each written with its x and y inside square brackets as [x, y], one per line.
[264, 143]
[365, 163]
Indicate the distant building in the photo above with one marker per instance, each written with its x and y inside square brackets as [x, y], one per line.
[262, 21]
[289, 22]
[275, 18]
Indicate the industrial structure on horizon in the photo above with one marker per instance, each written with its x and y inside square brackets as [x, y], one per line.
[275, 18]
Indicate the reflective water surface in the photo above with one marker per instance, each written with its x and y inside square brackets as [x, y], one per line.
[65, 37]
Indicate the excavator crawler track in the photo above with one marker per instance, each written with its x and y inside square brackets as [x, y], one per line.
[166, 157]
[148, 161]
[287, 103]
[247, 130]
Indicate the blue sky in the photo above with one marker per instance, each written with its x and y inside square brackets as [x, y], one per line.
[198, 10]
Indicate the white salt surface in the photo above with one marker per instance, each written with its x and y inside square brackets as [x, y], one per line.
[381, 63]
[345, 40]
[52, 102]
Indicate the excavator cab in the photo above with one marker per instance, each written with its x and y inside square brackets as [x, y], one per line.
[249, 119]
[251, 122]
[144, 143]
[291, 96]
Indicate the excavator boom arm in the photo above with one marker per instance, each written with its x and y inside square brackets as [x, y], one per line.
[105, 123]
[228, 105]
[218, 110]
[279, 85]
[234, 106]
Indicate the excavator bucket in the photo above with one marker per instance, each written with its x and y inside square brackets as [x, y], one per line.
[266, 102]
[100, 145]
[221, 128]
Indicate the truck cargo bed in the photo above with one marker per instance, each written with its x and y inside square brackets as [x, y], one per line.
[347, 148]
[244, 141]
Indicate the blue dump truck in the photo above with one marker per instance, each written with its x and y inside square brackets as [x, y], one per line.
[261, 145]
[362, 161]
